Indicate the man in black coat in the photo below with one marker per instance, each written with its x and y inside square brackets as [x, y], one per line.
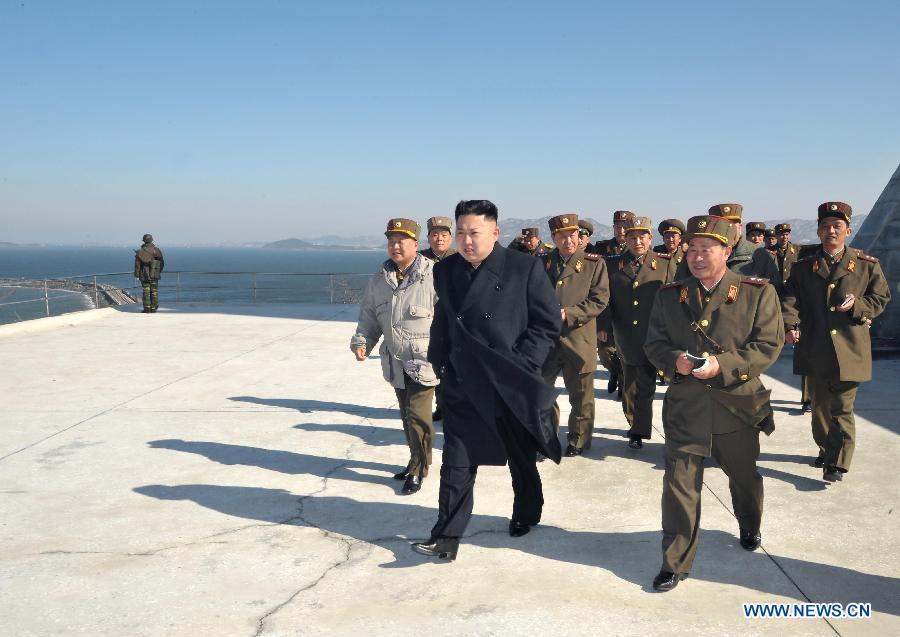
[495, 322]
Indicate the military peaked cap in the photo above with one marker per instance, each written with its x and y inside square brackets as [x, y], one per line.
[440, 222]
[670, 225]
[403, 226]
[586, 227]
[530, 232]
[756, 225]
[639, 224]
[731, 211]
[782, 227]
[713, 227]
[568, 221]
[622, 215]
[837, 209]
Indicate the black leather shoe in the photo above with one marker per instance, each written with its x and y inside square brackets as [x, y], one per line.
[666, 581]
[613, 383]
[805, 407]
[635, 442]
[572, 450]
[518, 529]
[436, 415]
[832, 474]
[750, 540]
[444, 548]
[412, 484]
[403, 475]
[819, 462]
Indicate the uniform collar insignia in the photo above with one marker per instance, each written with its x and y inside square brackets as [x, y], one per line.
[815, 266]
[732, 293]
[578, 265]
[851, 266]
[652, 264]
[682, 297]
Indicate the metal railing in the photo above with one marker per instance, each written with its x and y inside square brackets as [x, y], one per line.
[61, 295]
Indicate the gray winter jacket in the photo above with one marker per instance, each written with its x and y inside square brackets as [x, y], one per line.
[402, 314]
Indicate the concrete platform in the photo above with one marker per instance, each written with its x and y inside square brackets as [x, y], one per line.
[216, 470]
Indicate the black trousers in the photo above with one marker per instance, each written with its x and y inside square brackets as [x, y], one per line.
[456, 493]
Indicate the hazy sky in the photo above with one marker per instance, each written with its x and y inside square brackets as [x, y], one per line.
[255, 120]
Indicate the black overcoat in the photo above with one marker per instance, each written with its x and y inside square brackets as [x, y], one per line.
[488, 346]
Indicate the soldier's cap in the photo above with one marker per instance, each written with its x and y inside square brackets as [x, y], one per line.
[147, 238]
[718, 228]
[585, 227]
[837, 209]
[530, 232]
[756, 225]
[567, 221]
[730, 211]
[403, 226]
[782, 227]
[440, 222]
[620, 216]
[670, 225]
[638, 224]
[770, 232]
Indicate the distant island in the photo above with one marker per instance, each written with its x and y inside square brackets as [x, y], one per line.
[300, 244]
[6, 244]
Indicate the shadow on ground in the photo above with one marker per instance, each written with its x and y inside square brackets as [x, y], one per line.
[308, 406]
[633, 557]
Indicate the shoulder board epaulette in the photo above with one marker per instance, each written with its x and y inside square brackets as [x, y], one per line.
[865, 257]
[673, 284]
[755, 280]
[549, 246]
[660, 255]
[590, 256]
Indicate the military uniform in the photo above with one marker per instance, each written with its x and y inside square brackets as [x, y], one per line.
[148, 267]
[634, 282]
[541, 250]
[737, 321]
[835, 349]
[582, 290]
[438, 223]
[785, 257]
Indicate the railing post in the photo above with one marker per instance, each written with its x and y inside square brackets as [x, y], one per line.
[254, 287]
[331, 286]
[46, 299]
[96, 294]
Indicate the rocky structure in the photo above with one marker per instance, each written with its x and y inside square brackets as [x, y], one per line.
[879, 236]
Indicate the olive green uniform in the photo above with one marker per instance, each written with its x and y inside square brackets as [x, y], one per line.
[428, 253]
[582, 290]
[607, 353]
[835, 349]
[785, 258]
[720, 416]
[633, 284]
[148, 268]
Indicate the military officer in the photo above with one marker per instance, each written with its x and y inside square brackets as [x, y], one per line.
[771, 241]
[829, 302]
[716, 404]
[609, 357]
[585, 232]
[440, 239]
[634, 279]
[755, 231]
[582, 290]
[744, 258]
[785, 254]
[672, 231]
[148, 267]
[530, 242]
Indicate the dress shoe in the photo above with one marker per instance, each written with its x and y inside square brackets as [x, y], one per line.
[613, 383]
[819, 461]
[666, 581]
[750, 540]
[572, 451]
[805, 407]
[832, 474]
[412, 484]
[403, 475]
[437, 415]
[635, 442]
[518, 529]
[444, 548]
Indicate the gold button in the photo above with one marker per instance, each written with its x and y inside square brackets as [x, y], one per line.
[831, 285]
[831, 308]
[704, 355]
[559, 283]
[833, 332]
[744, 377]
[704, 323]
[707, 299]
[635, 302]
[634, 322]
[635, 284]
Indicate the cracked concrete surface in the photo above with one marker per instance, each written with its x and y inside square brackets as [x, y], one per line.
[228, 472]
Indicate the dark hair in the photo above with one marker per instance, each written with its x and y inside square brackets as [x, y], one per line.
[480, 207]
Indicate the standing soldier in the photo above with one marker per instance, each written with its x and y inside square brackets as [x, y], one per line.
[148, 267]
[634, 279]
[755, 232]
[714, 333]
[585, 232]
[830, 300]
[609, 357]
[398, 304]
[583, 292]
[440, 239]
[771, 241]
[785, 255]
[529, 242]
[745, 259]
[671, 230]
